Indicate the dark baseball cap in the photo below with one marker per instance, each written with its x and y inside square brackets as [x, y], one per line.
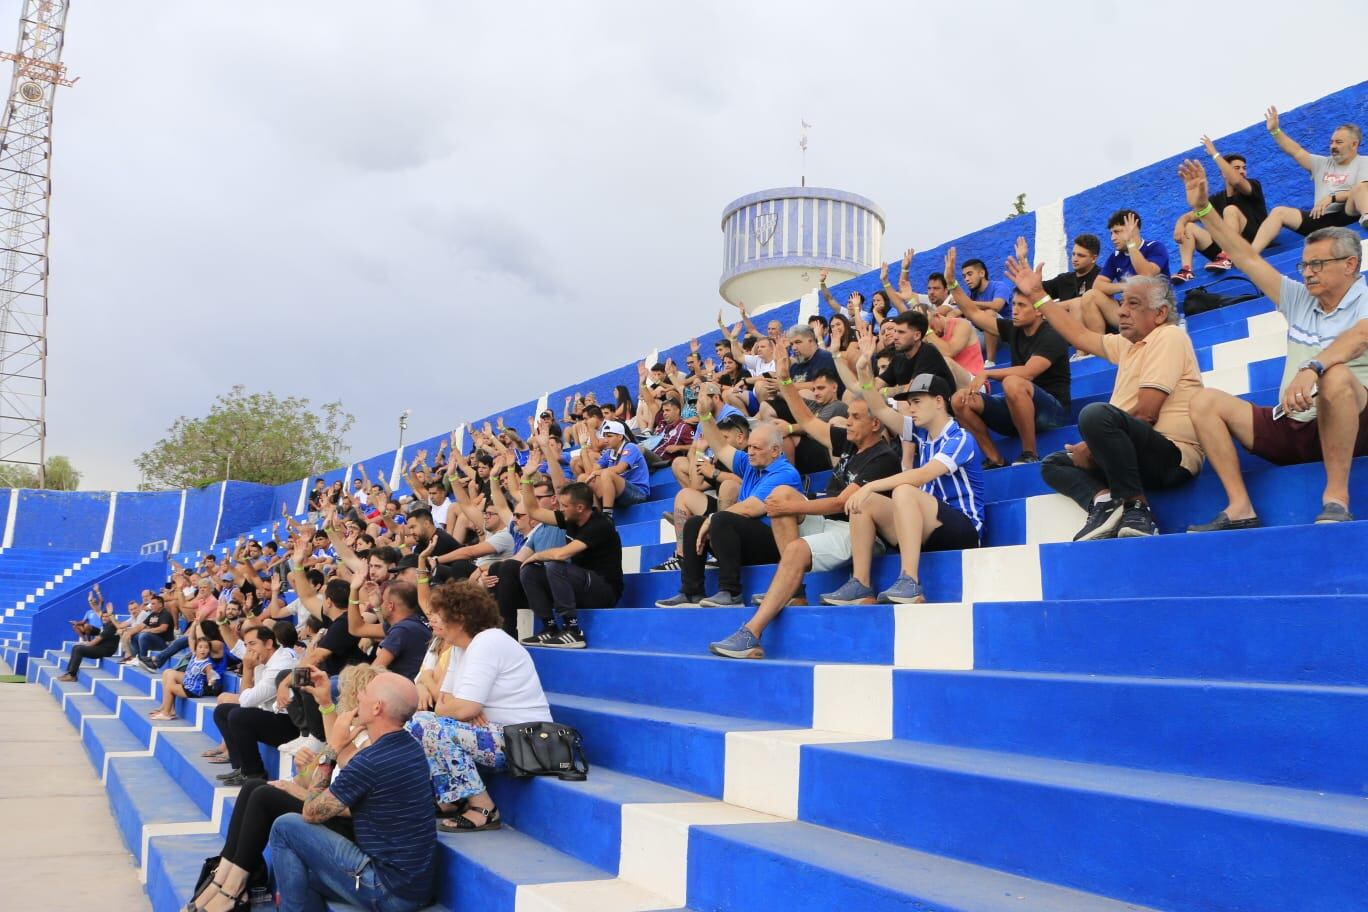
[929, 385]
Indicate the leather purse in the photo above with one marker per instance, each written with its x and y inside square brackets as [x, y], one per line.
[544, 749]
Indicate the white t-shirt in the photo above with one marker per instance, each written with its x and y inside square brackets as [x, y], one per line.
[496, 672]
[502, 541]
[439, 513]
[758, 367]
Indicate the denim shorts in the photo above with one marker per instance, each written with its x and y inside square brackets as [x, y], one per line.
[1049, 414]
[631, 494]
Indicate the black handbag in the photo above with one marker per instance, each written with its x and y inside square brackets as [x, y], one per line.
[544, 749]
[1204, 300]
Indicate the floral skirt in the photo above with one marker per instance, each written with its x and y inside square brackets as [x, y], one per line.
[453, 751]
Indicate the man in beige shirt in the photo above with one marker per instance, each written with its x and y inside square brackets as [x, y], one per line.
[1143, 438]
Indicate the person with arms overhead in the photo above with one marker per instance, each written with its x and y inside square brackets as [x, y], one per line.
[1339, 182]
[1241, 205]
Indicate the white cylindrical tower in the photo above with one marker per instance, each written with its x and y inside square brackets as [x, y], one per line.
[776, 242]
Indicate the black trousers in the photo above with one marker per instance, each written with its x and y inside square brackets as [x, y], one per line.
[1131, 458]
[243, 728]
[735, 540]
[508, 593]
[99, 649]
[556, 590]
[258, 806]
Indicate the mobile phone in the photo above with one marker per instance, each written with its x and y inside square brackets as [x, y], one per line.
[303, 676]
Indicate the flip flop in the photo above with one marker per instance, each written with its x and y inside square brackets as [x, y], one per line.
[215, 752]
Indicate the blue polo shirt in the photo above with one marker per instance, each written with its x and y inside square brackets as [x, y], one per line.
[992, 290]
[638, 472]
[407, 641]
[760, 483]
[388, 789]
[1119, 267]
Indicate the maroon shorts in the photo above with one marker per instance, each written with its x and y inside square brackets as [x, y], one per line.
[1288, 442]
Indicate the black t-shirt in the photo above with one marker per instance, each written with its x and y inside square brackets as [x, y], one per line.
[926, 360]
[1047, 343]
[602, 553]
[1251, 204]
[852, 467]
[343, 648]
[446, 542]
[1069, 285]
[160, 618]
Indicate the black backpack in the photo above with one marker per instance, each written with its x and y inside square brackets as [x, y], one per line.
[1201, 300]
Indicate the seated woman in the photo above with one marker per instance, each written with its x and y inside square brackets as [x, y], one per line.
[260, 803]
[203, 677]
[490, 683]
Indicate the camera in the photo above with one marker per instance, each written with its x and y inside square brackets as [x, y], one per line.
[303, 676]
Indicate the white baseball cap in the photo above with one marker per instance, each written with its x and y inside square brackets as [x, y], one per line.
[612, 427]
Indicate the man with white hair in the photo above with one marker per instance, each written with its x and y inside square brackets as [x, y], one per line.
[1339, 181]
[1143, 438]
[1322, 414]
[739, 535]
[387, 790]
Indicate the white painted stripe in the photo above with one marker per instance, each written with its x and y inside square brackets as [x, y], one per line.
[11, 514]
[655, 842]
[589, 895]
[526, 623]
[180, 525]
[1006, 574]
[853, 698]
[460, 437]
[1052, 518]
[303, 496]
[107, 542]
[223, 489]
[1051, 239]
[934, 635]
[809, 305]
[667, 532]
[1233, 380]
[761, 769]
[1241, 352]
[398, 466]
[1270, 323]
[542, 401]
[631, 559]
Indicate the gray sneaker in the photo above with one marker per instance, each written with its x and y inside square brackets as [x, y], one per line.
[680, 600]
[799, 597]
[852, 592]
[740, 645]
[904, 591]
[722, 599]
[1334, 513]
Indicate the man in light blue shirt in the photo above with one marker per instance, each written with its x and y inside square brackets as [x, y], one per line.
[622, 478]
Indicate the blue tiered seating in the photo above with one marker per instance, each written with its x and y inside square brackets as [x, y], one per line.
[28, 579]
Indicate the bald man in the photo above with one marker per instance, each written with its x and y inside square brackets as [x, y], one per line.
[387, 790]
[739, 535]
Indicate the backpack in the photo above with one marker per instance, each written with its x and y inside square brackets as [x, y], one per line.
[1201, 300]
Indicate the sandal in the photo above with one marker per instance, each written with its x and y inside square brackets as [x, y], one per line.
[215, 752]
[236, 897]
[463, 823]
[461, 807]
[164, 717]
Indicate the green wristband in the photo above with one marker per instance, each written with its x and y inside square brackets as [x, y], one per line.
[1204, 211]
[1042, 302]
[1275, 131]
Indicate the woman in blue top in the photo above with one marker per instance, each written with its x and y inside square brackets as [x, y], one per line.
[203, 677]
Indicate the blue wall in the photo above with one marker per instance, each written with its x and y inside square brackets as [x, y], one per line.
[61, 519]
[245, 506]
[119, 584]
[141, 517]
[201, 512]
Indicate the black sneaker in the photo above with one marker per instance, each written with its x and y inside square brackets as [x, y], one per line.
[544, 638]
[569, 638]
[1137, 521]
[1103, 519]
[673, 563]
[1026, 458]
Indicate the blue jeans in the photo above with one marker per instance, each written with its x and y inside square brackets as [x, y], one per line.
[631, 495]
[144, 643]
[312, 865]
[179, 643]
[1049, 413]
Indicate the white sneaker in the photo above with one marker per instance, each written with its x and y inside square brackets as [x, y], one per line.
[309, 742]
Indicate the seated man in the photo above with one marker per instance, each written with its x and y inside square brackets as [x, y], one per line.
[711, 401]
[1035, 388]
[810, 359]
[254, 719]
[387, 791]
[937, 506]
[739, 535]
[403, 632]
[992, 294]
[1097, 308]
[1241, 204]
[912, 354]
[1339, 182]
[1143, 438]
[674, 434]
[622, 476]
[1323, 384]
[504, 576]
[861, 456]
[1083, 270]
[585, 572]
[708, 487]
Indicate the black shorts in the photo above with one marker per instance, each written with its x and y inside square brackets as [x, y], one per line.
[956, 531]
[1329, 220]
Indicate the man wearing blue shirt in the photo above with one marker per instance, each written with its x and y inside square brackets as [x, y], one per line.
[993, 294]
[622, 476]
[1097, 308]
[739, 535]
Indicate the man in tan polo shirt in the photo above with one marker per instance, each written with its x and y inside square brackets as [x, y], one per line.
[1143, 438]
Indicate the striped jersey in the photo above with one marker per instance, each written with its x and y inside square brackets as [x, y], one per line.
[962, 486]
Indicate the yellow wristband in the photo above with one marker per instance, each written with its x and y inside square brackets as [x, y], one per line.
[866, 386]
[527, 482]
[788, 382]
[793, 428]
[705, 416]
[1204, 211]
[1042, 302]
[353, 601]
[952, 286]
[423, 580]
[327, 710]
[1275, 131]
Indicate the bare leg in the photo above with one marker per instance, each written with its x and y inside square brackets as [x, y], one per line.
[1338, 405]
[1219, 419]
[914, 512]
[1281, 217]
[1021, 403]
[727, 493]
[876, 515]
[794, 561]
[969, 413]
[688, 502]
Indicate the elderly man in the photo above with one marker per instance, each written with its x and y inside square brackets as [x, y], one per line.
[740, 534]
[1339, 181]
[1143, 438]
[708, 486]
[387, 791]
[1322, 416]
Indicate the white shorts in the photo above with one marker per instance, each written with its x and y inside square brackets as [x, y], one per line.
[829, 541]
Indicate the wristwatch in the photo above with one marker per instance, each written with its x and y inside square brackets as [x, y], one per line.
[1312, 364]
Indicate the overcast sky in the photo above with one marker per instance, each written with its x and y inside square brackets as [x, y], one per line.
[455, 207]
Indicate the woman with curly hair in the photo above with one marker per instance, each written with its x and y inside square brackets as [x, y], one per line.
[490, 683]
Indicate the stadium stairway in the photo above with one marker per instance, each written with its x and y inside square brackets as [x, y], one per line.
[28, 578]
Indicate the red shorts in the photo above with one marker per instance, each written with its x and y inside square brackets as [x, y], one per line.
[1288, 442]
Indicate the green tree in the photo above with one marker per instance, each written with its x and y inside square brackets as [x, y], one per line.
[248, 437]
[60, 475]
[1018, 206]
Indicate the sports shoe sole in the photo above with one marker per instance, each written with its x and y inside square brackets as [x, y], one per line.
[757, 653]
[1135, 533]
[905, 600]
[578, 644]
[695, 604]
[867, 600]
[1107, 529]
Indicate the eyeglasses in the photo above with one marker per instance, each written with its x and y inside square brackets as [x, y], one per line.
[1315, 266]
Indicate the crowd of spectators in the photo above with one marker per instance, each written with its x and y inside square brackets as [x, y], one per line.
[375, 639]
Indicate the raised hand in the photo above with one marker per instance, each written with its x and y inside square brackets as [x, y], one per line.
[1271, 118]
[907, 258]
[781, 362]
[822, 277]
[693, 345]
[950, 261]
[883, 273]
[1028, 280]
[1209, 146]
[1023, 252]
[1131, 224]
[1194, 183]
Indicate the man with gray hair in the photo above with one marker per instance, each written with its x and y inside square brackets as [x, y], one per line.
[739, 535]
[810, 359]
[1143, 438]
[1322, 414]
[1339, 181]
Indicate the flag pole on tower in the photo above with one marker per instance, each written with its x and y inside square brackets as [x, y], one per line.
[802, 144]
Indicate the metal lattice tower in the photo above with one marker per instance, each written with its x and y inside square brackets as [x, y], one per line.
[25, 188]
